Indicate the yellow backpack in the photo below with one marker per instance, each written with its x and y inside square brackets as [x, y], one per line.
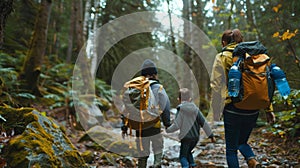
[257, 86]
[141, 107]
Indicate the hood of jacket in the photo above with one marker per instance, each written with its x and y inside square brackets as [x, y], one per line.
[188, 108]
[230, 47]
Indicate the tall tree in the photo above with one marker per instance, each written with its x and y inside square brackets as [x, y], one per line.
[35, 56]
[198, 67]
[187, 37]
[71, 33]
[6, 7]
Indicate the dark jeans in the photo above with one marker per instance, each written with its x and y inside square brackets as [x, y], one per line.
[186, 156]
[237, 131]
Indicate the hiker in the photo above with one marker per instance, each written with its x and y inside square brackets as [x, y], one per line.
[152, 134]
[238, 123]
[189, 120]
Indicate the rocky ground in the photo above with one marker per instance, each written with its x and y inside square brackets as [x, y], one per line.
[272, 152]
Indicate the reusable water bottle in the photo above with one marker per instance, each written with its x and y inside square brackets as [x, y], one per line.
[234, 79]
[280, 80]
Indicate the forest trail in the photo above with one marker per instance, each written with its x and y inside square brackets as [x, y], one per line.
[271, 152]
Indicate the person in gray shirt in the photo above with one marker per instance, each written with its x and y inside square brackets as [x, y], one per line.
[189, 119]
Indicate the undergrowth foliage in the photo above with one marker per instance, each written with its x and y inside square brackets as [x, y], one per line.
[55, 83]
[287, 115]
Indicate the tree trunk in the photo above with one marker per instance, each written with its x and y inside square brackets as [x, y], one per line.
[250, 19]
[187, 38]
[231, 12]
[79, 25]
[6, 7]
[84, 63]
[35, 55]
[71, 33]
[198, 66]
[87, 16]
[94, 59]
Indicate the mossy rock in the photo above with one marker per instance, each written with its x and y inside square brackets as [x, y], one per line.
[111, 141]
[42, 144]
[16, 119]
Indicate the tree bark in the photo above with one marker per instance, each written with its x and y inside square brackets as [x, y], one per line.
[187, 38]
[79, 25]
[84, 62]
[35, 55]
[94, 59]
[71, 33]
[87, 16]
[6, 7]
[198, 66]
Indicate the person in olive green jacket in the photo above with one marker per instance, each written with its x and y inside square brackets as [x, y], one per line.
[238, 123]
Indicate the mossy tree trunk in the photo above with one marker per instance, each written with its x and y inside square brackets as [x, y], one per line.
[35, 56]
[6, 7]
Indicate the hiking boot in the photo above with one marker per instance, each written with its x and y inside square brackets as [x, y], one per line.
[142, 162]
[252, 163]
[157, 160]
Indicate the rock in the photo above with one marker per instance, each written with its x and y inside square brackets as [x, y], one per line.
[273, 166]
[111, 141]
[41, 144]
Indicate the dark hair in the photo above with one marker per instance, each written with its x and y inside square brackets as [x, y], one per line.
[230, 36]
[184, 94]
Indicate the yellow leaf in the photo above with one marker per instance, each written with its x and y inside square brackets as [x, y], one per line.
[213, 1]
[216, 9]
[275, 9]
[296, 31]
[276, 34]
[285, 35]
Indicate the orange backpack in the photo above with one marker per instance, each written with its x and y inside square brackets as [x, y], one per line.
[256, 87]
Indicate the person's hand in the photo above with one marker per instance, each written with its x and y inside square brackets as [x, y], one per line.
[213, 139]
[270, 117]
[124, 129]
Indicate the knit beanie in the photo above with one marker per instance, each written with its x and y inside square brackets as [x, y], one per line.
[148, 68]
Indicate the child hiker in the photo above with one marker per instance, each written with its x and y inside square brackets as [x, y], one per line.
[189, 120]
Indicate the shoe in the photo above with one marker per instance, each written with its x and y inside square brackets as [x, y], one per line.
[252, 163]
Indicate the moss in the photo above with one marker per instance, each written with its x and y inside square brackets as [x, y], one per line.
[74, 159]
[14, 158]
[42, 144]
[14, 118]
[88, 156]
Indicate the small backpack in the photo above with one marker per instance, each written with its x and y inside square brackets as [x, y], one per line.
[257, 86]
[141, 106]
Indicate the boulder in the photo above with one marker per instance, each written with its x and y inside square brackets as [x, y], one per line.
[40, 142]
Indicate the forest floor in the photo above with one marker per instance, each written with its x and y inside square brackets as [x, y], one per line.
[272, 151]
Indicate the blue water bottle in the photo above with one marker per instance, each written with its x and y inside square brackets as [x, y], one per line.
[234, 79]
[280, 80]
